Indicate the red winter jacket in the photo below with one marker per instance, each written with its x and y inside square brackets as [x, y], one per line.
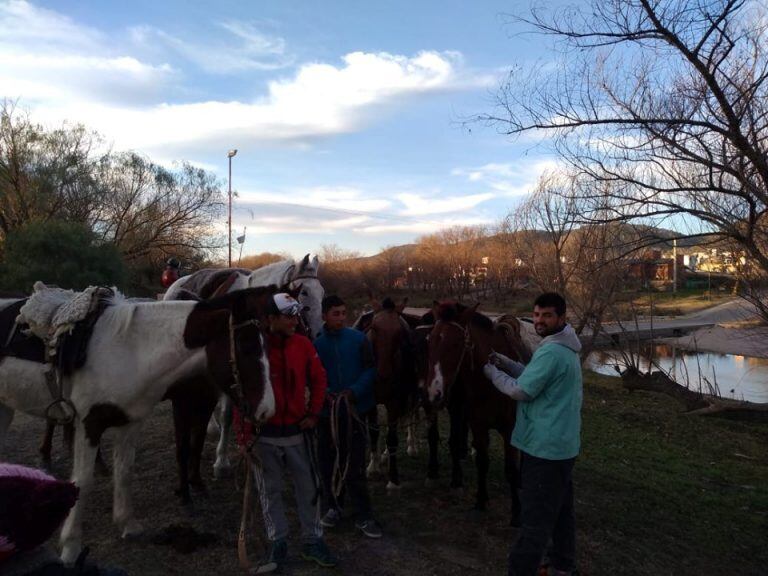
[294, 367]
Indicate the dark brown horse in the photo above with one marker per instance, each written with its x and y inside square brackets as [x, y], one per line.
[195, 400]
[459, 345]
[396, 384]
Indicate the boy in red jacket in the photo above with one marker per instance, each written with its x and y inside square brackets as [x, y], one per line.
[294, 368]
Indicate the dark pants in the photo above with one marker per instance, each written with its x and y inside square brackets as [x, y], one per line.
[352, 445]
[546, 496]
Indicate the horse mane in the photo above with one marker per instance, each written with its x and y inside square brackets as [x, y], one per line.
[482, 321]
[223, 300]
[449, 311]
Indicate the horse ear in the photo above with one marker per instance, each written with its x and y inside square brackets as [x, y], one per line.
[468, 311]
[400, 307]
[225, 286]
[203, 325]
[316, 263]
[304, 263]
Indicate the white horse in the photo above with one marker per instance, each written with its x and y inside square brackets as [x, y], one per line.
[135, 353]
[287, 275]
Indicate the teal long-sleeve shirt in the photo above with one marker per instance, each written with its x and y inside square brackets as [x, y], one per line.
[347, 357]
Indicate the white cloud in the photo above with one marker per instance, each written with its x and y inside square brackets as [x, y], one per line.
[253, 50]
[419, 205]
[508, 179]
[45, 58]
[330, 197]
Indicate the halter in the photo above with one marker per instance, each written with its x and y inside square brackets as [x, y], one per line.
[469, 346]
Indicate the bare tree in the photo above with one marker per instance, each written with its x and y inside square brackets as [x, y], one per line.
[150, 209]
[666, 100]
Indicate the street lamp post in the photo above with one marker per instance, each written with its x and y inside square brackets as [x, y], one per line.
[230, 155]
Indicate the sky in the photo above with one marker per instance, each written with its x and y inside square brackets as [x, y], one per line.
[348, 117]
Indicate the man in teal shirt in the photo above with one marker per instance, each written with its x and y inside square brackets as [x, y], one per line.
[547, 432]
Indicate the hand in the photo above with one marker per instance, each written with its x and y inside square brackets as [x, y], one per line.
[308, 422]
[494, 359]
[490, 370]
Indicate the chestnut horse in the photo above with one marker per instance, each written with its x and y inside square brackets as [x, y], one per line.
[396, 384]
[458, 348]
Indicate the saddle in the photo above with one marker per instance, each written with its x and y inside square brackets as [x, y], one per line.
[15, 340]
[63, 320]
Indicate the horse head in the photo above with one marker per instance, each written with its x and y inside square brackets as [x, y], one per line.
[450, 343]
[310, 293]
[388, 333]
[230, 329]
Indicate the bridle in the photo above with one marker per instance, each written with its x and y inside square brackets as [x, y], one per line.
[469, 346]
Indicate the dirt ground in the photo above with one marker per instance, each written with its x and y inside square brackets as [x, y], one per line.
[428, 531]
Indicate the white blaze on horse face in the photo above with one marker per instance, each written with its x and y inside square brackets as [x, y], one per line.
[436, 387]
[266, 408]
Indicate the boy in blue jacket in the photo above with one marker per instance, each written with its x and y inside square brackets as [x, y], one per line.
[347, 357]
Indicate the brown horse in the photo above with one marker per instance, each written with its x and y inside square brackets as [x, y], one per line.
[396, 385]
[459, 345]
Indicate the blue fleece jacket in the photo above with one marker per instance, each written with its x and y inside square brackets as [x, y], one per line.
[347, 357]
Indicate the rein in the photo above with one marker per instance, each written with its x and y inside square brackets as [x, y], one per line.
[247, 454]
[237, 383]
[337, 402]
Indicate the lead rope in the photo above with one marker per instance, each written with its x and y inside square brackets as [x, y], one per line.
[250, 460]
[339, 476]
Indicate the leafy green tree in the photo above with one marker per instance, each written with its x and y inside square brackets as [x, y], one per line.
[63, 253]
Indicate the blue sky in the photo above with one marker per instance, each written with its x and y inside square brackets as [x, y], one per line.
[346, 115]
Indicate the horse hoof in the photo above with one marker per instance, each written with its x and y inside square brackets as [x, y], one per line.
[392, 486]
[69, 554]
[412, 451]
[372, 470]
[132, 530]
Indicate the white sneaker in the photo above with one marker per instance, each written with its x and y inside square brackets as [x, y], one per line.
[331, 518]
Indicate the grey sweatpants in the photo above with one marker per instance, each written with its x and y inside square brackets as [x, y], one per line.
[269, 484]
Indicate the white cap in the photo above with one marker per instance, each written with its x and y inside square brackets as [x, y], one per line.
[286, 304]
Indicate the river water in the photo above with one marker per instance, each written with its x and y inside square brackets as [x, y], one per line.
[734, 376]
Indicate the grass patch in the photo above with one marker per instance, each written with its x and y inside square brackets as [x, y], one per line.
[660, 492]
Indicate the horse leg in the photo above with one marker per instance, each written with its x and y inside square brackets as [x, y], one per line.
[6, 417]
[413, 447]
[126, 438]
[457, 442]
[201, 418]
[480, 441]
[181, 429]
[222, 468]
[392, 444]
[46, 446]
[372, 419]
[82, 475]
[433, 439]
[512, 472]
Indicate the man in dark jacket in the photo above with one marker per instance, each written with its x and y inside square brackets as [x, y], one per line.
[294, 369]
[347, 357]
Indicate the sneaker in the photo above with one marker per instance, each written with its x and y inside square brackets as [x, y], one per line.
[331, 518]
[317, 552]
[275, 558]
[370, 528]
